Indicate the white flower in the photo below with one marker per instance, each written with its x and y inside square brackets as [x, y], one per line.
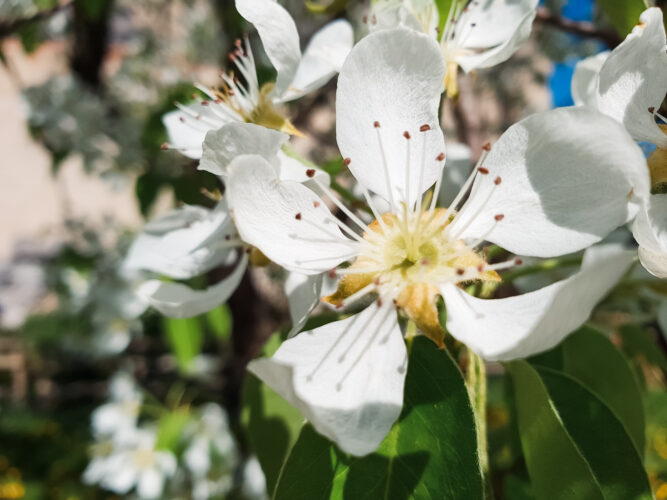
[134, 462]
[192, 240]
[553, 184]
[297, 75]
[477, 33]
[211, 434]
[629, 84]
[120, 414]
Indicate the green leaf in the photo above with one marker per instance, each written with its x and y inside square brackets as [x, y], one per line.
[638, 342]
[591, 358]
[170, 429]
[623, 14]
[330, 7]
[574, 445]
[185, 338]
[431, 452]
[443, 7]
[272, 423]
[219, 320]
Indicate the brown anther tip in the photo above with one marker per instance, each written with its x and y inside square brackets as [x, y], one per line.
[232, 57]
[374, 19]
[425, 128]
[298, 216]
[218, 101]
[483, 170]
[394, 301]
[316, 203]
[347, 161]
[518, 262]
[379, 302]
[440, 157]
[487, 146]
[651, 110]
[480, 268]
[228, 237]
[248, 250]
[164, 145]
[406, 134]
[237, 42]
[331, 273]
[364, 19]
[376, 124]
[181, 119]
[460, 271]
[425, 262]
[376, 282]
[497, 180]
[499, 217]
[310, 172]
[198, 117]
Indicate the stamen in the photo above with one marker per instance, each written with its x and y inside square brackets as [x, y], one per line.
[406, 134]
[385, 167]
[342, 207]
[358, 294]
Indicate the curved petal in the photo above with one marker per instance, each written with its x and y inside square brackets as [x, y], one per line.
[287, 221]
[650, 231]
[388, 15]
[150, 484]
[490, 31]
[634, 79]
[303, 294]
[279, 37]
[186, 242]
[180, 301]
[392, 77]
[322, 59]
[221, 146]
[517, 327]
[186, 131]
[346, 377]
[585, 79]
[569, 177]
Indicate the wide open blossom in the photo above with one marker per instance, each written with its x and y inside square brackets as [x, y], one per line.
[554, 183]
[476, 34]
[629, 84]
[192, 240]
[297, 75]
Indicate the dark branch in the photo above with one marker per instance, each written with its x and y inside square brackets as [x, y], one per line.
[11, 26]
[584, 29]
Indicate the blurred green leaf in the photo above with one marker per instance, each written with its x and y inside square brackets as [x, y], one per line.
[591, 358]
[638, 342]
[185, 339]
[623, 14]
[30, 37]
[430, 453]
[330, 7]
[443, 7]
[574, 445]
[170, 429]
[219, 320]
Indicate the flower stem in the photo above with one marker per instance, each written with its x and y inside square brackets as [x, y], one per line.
[476, 381]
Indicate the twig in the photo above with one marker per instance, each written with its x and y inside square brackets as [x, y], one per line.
[581, 28]
[8, 27]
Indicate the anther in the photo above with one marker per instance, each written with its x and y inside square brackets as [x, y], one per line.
[440, 157]
[316, 203]
[237, 42]
[376, 282]
[232, 57]
[310, 172]
[406, 134]
[425, 262]
[347, 161]
[374, 19]
[331, 273]
[376, 124]
[499, 217]
[248, 250]
[364, 19]
[518, 262]
[483, 170]
[460, 271]
[480, 268]
[181, 119]
[497, 181]
[487, 146]
[164, 145]
[379, 302]
[204, 103]
[651, 110]
[228, 237]
[298, 216]
[424, 128]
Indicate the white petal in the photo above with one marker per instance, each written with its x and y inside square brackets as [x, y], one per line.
[185, 243]
[458, 166]
[279, 37]
[180, 301]
[393, 77]
[517, 327]
[150, 484]
[303, 294]
[634, 78]
[569, 177]
[490, 33]
[650, 231]
[221, 146]
[322, 59]
[585, 79]
[346, 377]
[186, 133]
[287, 221]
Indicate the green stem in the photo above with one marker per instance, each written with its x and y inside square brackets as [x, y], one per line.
[476, 381]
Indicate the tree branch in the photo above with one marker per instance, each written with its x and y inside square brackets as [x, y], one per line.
[581, 28]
